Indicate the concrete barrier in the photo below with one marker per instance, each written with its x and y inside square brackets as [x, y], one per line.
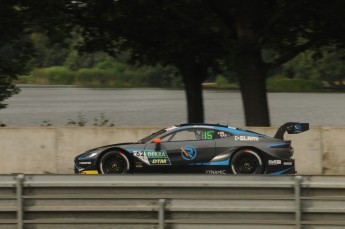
[52, 149]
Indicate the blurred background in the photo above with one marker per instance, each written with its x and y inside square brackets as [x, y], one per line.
[134, 62]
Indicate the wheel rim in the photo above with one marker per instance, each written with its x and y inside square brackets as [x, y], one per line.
[247, 165]
[116, 163]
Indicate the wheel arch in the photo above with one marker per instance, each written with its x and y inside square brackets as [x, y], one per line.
[259, 151]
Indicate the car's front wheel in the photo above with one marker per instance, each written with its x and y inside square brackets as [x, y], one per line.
[114, 162]
[247, 161]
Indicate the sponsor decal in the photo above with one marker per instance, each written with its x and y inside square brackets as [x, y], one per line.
[298, 128]
[247, 138]
[153, 157]
[274, 162]
[287, 163]
[188, 152]
[222, 134]
[139, 164]
[159, 161]
[217, 172]
[159, 154]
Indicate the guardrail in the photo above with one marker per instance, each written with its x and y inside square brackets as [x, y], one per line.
[171, 201]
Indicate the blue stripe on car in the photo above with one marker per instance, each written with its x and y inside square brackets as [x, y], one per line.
[233, 131]
[225, 162]
[277, 145]
[280, 172]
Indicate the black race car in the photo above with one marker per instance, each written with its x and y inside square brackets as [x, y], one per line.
[196, 148]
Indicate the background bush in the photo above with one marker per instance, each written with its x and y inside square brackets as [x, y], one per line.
[106, 74]
[293, 85]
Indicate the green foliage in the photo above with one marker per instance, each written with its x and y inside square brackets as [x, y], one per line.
[46, 53]
[108, 73]
[7, 89]
[301, 67]
[15, 48]
[293, 85]
[326, 64]
[63, 63]
[52, 75]
[221, 80]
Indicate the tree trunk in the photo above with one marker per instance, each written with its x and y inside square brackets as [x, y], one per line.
[253, 89]
[193, 74]
[195, 106]
[249, 64]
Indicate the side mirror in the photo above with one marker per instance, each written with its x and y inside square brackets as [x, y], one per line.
[158, 143]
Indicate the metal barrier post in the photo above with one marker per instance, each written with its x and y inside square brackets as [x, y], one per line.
[161, 210]
[19, 196]
[298, 211]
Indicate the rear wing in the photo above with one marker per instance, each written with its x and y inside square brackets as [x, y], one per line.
[291, 128]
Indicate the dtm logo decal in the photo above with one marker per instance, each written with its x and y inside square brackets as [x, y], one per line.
[188, 152]
[152, 157]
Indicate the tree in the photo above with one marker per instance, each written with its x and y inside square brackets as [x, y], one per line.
[155, 32]
[284, 28]
[195, 35]
[48, 54]
[15, 48]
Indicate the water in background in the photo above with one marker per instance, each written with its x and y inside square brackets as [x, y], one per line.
[58, 105]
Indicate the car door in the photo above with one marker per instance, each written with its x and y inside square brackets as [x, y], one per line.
[189, 146]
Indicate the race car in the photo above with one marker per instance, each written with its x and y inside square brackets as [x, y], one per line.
[196, 148]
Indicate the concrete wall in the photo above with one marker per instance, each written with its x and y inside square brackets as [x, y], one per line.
[52, 150]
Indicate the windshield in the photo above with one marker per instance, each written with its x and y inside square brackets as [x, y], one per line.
[152, 136]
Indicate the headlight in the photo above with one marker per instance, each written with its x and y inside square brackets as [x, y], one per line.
[88, 155]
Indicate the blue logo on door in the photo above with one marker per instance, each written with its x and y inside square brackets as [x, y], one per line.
[298, 128]
[188, 152]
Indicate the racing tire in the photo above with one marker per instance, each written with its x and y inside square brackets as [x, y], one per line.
[247, 161]
[114, 162]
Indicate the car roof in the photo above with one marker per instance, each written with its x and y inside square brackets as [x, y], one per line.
[201, 124]
[233, 130]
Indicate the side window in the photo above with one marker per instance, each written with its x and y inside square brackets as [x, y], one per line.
[222, 134]
[196, 135]
[184, 135]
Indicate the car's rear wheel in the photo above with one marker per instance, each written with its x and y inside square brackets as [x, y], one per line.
[247, 161]
[114, 162]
